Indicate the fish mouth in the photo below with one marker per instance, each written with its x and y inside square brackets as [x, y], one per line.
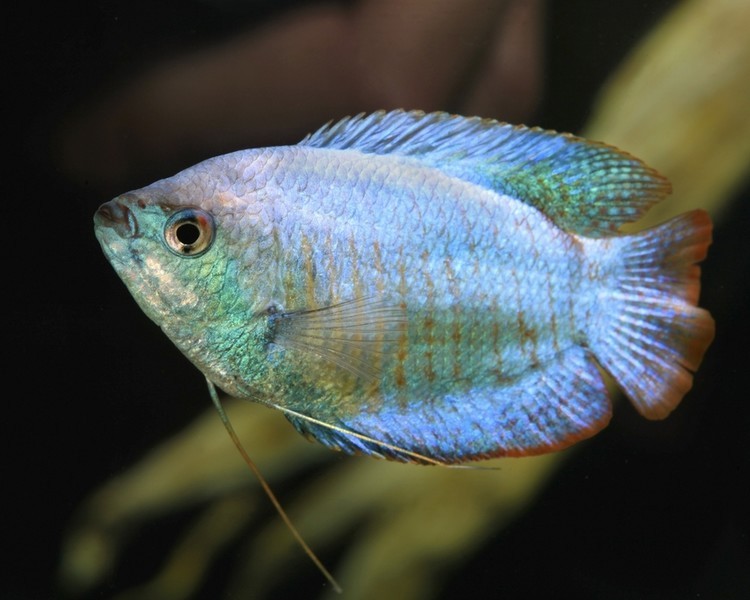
[116, 216]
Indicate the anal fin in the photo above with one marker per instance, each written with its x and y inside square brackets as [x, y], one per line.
[548, 408]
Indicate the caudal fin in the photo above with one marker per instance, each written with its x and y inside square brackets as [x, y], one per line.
[652, 336]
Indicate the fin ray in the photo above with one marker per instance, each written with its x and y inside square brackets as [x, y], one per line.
[652, 336]
[355, 335]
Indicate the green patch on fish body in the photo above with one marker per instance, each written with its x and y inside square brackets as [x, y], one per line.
[435, 284]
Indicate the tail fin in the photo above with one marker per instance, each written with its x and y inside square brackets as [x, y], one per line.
[653, 336]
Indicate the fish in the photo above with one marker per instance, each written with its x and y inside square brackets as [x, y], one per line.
[423, 287]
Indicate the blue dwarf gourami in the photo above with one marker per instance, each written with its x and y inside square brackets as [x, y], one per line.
[422, 286]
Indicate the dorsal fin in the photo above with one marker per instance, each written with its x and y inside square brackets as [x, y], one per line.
[585, 187]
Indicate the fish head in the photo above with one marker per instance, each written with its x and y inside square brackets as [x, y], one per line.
[193, 254]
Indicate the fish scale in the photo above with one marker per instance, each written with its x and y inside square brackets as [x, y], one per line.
[433, 353]
[422, 287]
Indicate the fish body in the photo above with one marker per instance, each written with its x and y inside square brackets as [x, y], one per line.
[416, 285]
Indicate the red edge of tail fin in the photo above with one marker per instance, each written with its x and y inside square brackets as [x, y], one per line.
[653, 335]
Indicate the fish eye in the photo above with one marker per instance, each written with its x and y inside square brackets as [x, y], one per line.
[189, 232]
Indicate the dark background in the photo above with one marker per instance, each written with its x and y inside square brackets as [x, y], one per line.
[646, 510]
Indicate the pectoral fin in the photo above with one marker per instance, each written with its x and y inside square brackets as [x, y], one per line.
[356, 335]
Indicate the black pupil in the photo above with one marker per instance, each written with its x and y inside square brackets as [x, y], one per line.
[188, 233]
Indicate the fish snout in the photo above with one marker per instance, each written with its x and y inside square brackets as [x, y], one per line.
[117, 216]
